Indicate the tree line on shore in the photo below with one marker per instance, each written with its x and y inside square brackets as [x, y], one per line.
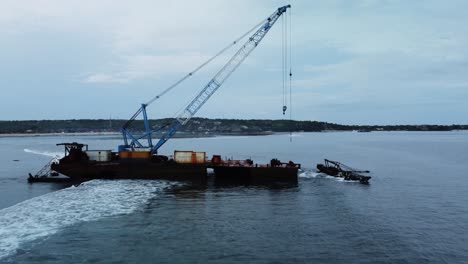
[205, 126]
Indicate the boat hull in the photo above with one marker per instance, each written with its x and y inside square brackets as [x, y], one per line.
[255, 175]
[132, 170]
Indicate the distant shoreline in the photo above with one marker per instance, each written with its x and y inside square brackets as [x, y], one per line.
[190, 135]
[177, 135]
[59, 134]
[197, 127]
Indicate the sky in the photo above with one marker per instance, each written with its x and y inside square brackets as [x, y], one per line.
[353, 62]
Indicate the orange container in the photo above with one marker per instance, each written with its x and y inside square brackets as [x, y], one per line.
[134, 155]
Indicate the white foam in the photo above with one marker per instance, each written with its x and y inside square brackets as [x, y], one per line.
[343, 180]
[295, 135]
[47, 214]
[338, 179]
[45, 153]
[309, 174]
[225, 137]
[313, 174]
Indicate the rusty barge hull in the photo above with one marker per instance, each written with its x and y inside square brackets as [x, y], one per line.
[255, 175]
[81, 164]
[133, 170]
[176, 172]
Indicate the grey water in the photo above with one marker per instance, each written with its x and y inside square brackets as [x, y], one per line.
[415, 209]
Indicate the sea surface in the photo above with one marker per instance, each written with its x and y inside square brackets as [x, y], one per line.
[415, 209]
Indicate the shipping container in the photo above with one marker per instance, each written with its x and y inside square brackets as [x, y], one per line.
[190, 157]
[135, 154]
[99, 155]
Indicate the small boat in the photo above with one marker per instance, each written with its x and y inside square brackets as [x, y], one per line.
[46, 174]
[53, 177]
[337, 169]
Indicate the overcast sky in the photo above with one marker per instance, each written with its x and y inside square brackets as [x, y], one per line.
[353, 62]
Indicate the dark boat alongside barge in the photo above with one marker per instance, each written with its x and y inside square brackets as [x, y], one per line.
[81, 164]
[337, 169]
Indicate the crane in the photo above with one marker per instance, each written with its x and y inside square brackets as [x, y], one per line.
[131, 141]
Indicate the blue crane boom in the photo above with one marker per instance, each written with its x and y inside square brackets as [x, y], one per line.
[209, 89]
[220, 77]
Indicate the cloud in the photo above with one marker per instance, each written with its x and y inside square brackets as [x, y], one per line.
[107, 78]
[369, 27]
[348, 53]
[387, 79]
[145, 39]
[142, 66]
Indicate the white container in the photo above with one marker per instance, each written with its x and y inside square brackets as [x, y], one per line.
[99, 155]
[189, 157]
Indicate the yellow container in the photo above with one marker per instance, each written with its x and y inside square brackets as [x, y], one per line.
[191, 157]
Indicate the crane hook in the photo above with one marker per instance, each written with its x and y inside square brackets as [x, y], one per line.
[284, 109]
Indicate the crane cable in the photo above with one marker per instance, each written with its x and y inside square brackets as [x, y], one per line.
[285, 62]
[290, 78]
[205, 63]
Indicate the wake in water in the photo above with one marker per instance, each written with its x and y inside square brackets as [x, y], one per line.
[45, 153]
[45, 215]
[310, 174]
[295, 135]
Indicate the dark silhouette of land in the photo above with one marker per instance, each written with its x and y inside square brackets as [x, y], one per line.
[205, 126]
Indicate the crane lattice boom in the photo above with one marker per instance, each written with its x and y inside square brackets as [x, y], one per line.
[200, 99]
[220, 77]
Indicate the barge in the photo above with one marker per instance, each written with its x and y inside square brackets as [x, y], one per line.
[81, 164]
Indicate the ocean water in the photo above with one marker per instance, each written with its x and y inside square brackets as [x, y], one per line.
[415, 209]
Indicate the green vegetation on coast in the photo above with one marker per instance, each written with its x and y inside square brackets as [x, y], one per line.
[204, 126]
